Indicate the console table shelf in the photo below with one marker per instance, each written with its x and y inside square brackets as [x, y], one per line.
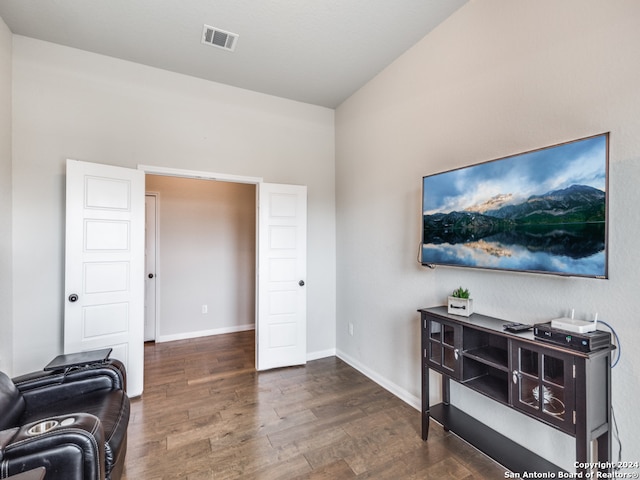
[563, 388]
[493, 356]
[491, 386]
[504, 451]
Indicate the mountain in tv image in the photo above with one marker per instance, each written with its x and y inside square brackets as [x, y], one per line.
[562, 230]
[578, 204]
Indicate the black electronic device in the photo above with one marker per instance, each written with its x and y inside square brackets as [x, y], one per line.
[515, 327]
[583, 342]
[79, 359]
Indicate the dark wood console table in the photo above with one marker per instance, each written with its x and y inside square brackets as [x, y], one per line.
[563, 388]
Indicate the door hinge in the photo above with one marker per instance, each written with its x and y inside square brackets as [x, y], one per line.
[574, 370]
[574, 417]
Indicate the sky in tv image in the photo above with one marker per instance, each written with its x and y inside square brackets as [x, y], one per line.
[514, 179]
[541, 211]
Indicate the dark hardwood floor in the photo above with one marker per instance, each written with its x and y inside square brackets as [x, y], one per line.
[207, 414]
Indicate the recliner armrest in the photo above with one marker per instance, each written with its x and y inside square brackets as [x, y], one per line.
[112, 372]
[43, 388]
[6, 437]
[73, 448]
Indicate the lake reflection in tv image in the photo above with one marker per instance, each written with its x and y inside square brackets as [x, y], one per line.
[542, 211]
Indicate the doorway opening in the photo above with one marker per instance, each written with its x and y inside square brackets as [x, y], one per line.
[277, 255]
[201, 267]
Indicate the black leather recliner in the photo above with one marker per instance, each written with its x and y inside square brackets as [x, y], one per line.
[72, 421]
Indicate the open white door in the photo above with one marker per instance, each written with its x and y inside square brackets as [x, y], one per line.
[281, 323]
[104, 264]
[150, 239]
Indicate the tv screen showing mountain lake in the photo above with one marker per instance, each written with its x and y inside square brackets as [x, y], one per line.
[542, 211]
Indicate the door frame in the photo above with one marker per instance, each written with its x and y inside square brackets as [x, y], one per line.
[203, 175]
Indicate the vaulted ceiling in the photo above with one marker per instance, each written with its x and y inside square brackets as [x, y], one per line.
[313, 51]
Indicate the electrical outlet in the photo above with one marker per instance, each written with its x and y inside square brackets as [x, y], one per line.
[351, 329]
[205, 308]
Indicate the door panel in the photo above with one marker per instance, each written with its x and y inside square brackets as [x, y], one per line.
[281, 326]
[103, 277]
[104, 261]
[103, 320]
[150, 257]
[106, 235]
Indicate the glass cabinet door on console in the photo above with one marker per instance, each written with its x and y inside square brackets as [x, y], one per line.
[443, 346]
[543, 385]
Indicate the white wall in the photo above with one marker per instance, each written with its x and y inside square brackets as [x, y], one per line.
[73, 104]
[6, 281]
[498, 77]
[206, 256]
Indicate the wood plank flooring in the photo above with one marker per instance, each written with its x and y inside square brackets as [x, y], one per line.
[207, 414]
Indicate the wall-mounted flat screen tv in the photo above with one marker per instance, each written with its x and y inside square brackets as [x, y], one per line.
[543, 211]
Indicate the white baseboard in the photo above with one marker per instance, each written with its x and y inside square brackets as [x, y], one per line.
[205, 333]
[321, 354]
[398, 391]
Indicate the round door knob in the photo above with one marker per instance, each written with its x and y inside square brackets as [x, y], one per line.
[151, 275]
[73, 297]
[301, 283]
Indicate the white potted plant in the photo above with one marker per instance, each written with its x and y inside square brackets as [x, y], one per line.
[460, 303]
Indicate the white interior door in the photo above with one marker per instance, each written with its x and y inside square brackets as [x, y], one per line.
[150, 257]
[281, 323]
[104, 264]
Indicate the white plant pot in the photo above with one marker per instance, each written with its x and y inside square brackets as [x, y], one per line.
[460, 306]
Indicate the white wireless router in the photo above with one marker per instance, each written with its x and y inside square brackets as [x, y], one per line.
[573, 325]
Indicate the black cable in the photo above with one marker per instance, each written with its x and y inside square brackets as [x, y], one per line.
[618, 344]
[419, 258]
[615, 426]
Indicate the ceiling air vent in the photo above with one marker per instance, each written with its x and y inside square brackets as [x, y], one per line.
[219, 38]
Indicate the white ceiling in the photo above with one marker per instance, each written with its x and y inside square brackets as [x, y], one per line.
[313, 51]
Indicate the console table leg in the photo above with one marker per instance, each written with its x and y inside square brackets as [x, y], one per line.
[604, 449]
[445, 390]
[425, 401]
[425, 425]
[445, 395]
